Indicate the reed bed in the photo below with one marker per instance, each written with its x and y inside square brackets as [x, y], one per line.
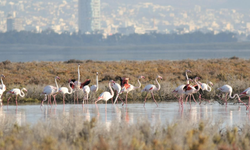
[72, 132]
[35, 75]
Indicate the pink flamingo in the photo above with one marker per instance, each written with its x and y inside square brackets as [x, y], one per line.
[151, 88]
[50, 90]
[106, 95]
[180, 89]
[181, 92]
[228, 90]
[16, 92]
[2, 89]
[130, 87]
[65, 90]
[246, 92]
[190, 90]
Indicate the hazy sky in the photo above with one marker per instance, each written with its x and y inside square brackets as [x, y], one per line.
[236, 4]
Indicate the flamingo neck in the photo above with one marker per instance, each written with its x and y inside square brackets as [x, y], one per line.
[22, 93]
[96, 82]
[139, 84]
[2, 82]
[198, 85]
[159, 86]
[187, 77]
[57, 88]
[70, 89]
[209, 88]
[230, 95]
[111, 90]
[78, 76]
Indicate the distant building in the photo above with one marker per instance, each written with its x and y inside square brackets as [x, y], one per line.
[89, 16]
[14, 23]
[126, 30]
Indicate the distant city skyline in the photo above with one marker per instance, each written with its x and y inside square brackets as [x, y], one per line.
[137, 16]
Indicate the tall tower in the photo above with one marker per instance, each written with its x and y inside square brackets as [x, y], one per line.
[89, 15]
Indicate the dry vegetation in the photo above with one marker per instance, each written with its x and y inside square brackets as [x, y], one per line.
[35, 75]
[71, 132]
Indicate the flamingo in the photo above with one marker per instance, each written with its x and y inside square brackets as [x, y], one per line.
[16, 92]
[86, 91]
[180, 89]
[117, 88]
[65, 90]
[190, 90]
[94, 88]
[228, 90]
[205, 87]
[77, 84]
[151, 88]
[50, 90]
[181, 92]
[106, 95]
[246, 92]
[2, 89]
[130, 87]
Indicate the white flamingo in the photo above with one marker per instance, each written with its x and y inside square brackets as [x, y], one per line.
[130, 88]
[205, 87]
[86, 91]
[65, 90]
[106, 95]
[76, 87]
[50, 90]
[17, 92]
[228, 90]
[2, 89]
[117, 88]
[151, 88]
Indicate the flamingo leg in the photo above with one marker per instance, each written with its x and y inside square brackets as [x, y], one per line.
[145, 99]
[126, 99]
[186, 99]
[200, 98]
[16, 100]
[54, 96]
[77, 96]
[194, 98]
[63, 99]
[248, 102]
[154, 98]
[226, 99]
[8, 100]
[106, 107]
[190, 99]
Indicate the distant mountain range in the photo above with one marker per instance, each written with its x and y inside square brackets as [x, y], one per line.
[213, 4]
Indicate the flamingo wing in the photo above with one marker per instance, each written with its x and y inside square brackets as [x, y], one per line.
[85, 83]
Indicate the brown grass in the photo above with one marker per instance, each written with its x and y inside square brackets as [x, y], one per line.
[35, 75]
[71, 132]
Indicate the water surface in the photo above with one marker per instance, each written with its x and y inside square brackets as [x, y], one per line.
[166, 112]
[61, 54]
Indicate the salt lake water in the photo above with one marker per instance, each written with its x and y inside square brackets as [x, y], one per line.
[61, 54]
[166, 112]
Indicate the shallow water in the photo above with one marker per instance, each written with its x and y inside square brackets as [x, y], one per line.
[166, 112]
[24, 55]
